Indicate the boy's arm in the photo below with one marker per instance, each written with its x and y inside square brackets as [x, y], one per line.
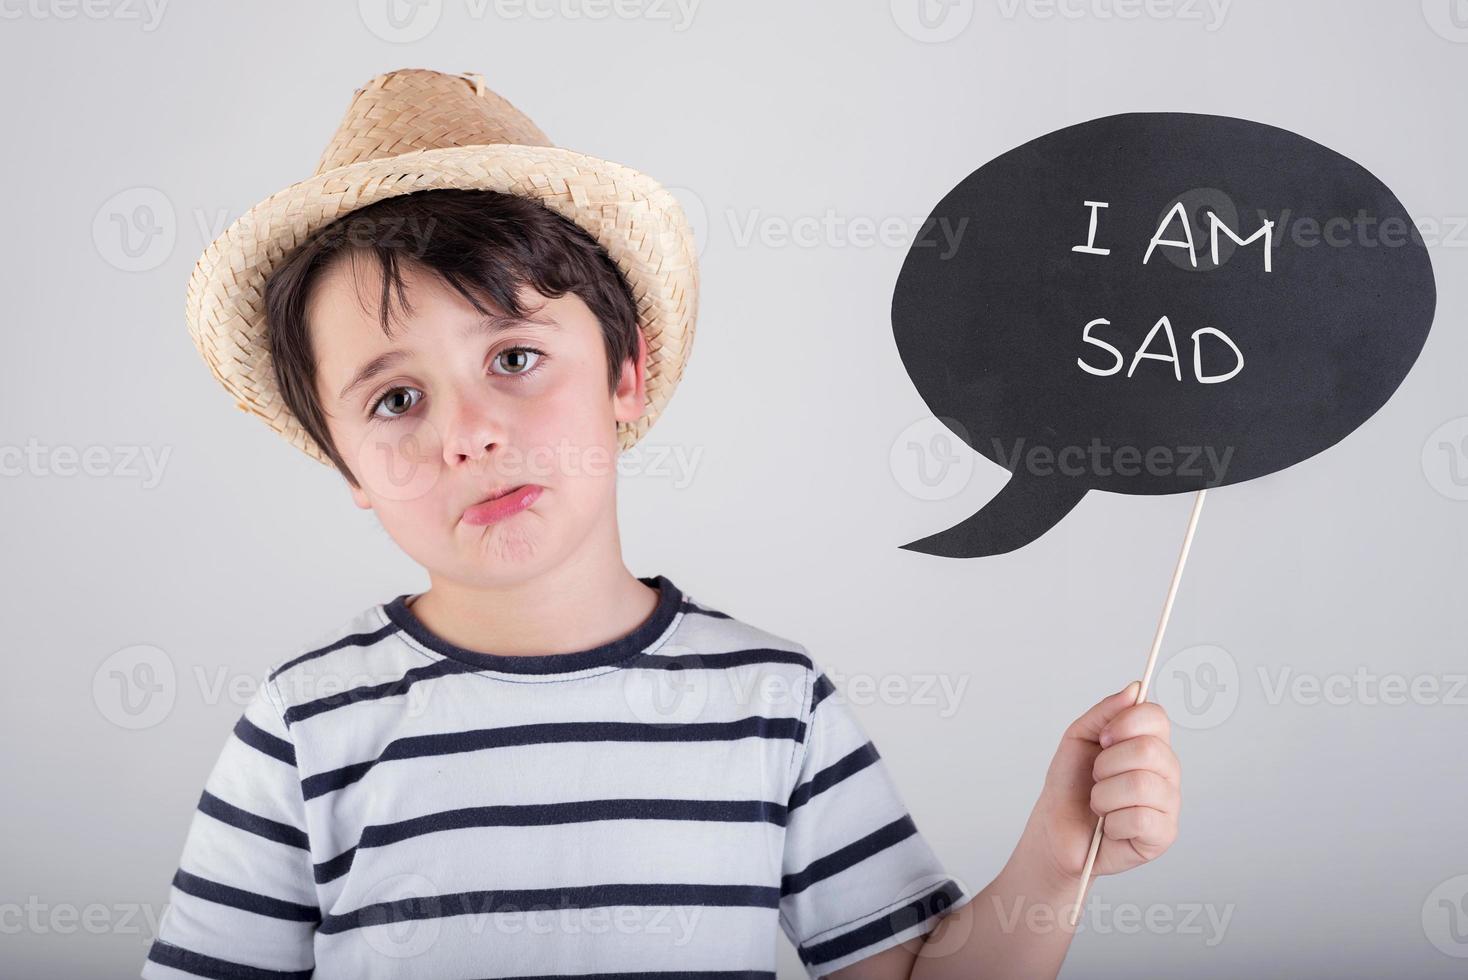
[1114, 760]
[243, 902]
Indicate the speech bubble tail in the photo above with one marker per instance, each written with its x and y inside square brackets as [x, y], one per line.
[1020, 512]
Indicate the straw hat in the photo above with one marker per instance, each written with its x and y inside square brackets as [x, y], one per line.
[414, 130]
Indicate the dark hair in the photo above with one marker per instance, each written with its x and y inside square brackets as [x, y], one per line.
[483, 243]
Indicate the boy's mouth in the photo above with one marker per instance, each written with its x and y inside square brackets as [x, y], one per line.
[502, 503]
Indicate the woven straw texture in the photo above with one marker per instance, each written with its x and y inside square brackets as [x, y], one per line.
[414, 130]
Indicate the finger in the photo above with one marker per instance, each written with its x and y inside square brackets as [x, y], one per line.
[1088, 726]
[1135, 787]
[1141, 825]
[1147, 718]
[1143, 752]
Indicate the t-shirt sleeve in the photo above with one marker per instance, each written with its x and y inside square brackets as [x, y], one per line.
[243, 903]
[857, 877]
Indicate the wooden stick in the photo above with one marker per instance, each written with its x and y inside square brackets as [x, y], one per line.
[1177, 575]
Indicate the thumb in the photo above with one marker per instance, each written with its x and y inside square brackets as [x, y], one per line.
[1088, 726]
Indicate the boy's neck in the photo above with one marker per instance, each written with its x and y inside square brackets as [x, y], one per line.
[565, 611]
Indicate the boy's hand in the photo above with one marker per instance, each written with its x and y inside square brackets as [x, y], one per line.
[1117, 760]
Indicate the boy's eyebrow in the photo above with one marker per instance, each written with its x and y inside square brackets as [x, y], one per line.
[492, 324]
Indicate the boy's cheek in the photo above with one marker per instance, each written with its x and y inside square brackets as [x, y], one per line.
[398, 461]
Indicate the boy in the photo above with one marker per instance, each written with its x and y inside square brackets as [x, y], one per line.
[543, 765]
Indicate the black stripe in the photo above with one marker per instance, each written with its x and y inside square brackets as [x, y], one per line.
[351, 640]
[522, 899]
[690, 606]
[446, 668]
[213, 891]
[718, 661]
[852, 762]
[935, 902]
[325, 871]
[669, 602]
[854, 853]
[822, 689]
[543, 814]
[200, 965]
[257, 738]
[373, 692]
[450, 743]
[282, 833]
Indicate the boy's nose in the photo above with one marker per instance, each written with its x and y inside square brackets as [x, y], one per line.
[474, 425]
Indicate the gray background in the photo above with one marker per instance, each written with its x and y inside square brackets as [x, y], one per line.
[1329, 831]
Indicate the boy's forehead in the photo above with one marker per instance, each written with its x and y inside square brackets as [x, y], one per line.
[344, 318]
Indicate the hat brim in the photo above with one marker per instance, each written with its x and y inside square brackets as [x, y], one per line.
[638, 222]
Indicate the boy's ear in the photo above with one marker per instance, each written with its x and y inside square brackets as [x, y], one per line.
[359, 497]
[631, 393]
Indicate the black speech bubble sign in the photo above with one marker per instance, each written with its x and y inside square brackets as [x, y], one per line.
[994, 330]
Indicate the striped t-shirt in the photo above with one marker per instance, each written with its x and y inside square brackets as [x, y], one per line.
[392, 805]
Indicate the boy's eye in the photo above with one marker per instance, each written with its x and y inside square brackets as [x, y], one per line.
[397, 404]
[391, 400]
[518, 355]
